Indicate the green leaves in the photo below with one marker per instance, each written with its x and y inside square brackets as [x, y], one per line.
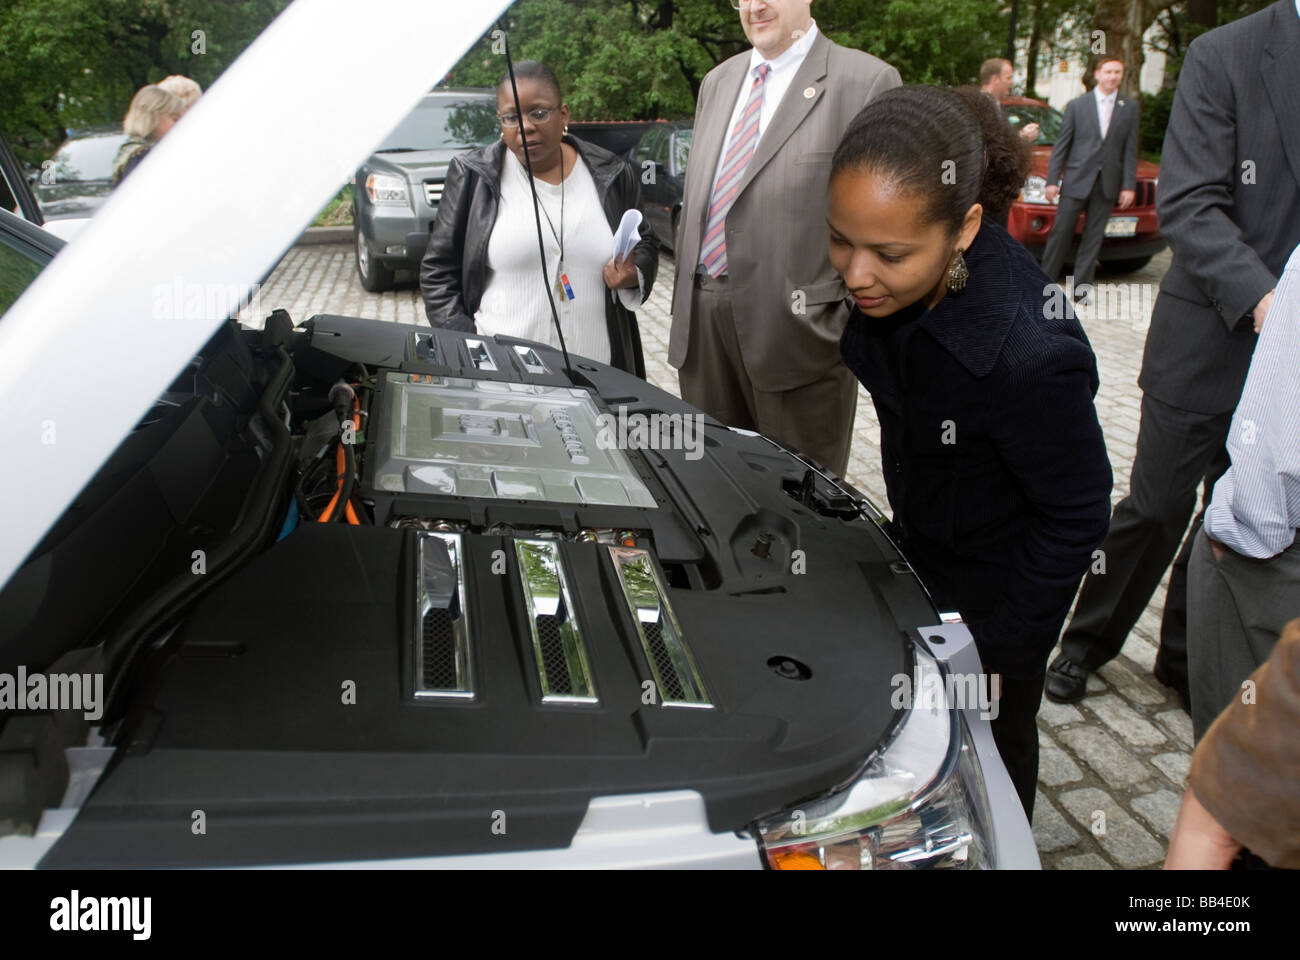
[77, 63]
[645, 59]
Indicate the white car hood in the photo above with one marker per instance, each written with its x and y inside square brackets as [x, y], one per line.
[92, 342]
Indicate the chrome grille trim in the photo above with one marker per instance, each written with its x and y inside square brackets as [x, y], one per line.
[440, 655]
[531, 361]
[433, 192]
[479, 355]
[563, 669]
[669, 658]
[424, 347]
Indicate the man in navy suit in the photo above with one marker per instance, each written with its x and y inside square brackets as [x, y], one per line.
[1093, 160]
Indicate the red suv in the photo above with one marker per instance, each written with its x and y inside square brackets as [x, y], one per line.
[1132, 235]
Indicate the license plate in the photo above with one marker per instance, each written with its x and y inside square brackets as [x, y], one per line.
[1122, 227]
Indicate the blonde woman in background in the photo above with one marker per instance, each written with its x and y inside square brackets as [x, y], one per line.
[153, 112]
[182, 87]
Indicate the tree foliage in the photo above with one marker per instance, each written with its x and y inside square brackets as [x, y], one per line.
[70, 64]
[645, 59]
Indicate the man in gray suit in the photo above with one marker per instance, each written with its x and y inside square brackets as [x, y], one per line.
[757, 307]
[1094, 160]
[1229, 205]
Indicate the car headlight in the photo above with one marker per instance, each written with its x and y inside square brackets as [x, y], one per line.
[1035, 191]
[919, 804]
[383, 188]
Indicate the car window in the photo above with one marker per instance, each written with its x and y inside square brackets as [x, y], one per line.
[1048, 120]
[445, 124]
[17, 271]
[659, 149]
[88, 158]
[681, 150]
[649, 147]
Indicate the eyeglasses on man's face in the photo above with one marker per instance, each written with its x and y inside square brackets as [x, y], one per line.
[737, 4]
[538, 116]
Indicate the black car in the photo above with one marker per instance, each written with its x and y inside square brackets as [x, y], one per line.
[660, 160]
[395, 193]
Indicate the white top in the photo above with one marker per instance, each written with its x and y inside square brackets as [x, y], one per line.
[781, 74]
[1255, 509]
[514, 302]
[1106, 107]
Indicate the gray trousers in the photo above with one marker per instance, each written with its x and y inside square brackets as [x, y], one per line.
[1236, 609]
[1177, 451]
[815, 419]
[1098, 207]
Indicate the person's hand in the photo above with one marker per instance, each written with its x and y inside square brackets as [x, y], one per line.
[622, 274]
[1029, 131]
[1126, 198]
[1261, 311]
[1051, 192]
[1199, 842]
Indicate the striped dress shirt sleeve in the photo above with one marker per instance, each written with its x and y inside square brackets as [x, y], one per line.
[1256, 505]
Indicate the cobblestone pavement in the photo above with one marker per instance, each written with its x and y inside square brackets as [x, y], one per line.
[1112, 767]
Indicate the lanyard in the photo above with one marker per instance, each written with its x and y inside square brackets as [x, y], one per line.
[562, 286]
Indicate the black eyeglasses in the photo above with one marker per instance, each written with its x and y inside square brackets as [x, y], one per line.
[538, 116]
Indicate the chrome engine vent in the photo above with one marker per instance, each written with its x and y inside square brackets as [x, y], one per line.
[666, 652]
[563, 668]
[479, 355]
[444, 667]
[529, 358]
[424, 347]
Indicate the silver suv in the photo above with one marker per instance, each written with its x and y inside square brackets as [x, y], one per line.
[396, 191]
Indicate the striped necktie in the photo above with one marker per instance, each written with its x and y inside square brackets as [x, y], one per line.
[740, 149]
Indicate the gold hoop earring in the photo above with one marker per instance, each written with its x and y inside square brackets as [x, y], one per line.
[958, 274]
[566, 129]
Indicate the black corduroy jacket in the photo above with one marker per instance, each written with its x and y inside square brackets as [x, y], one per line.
[993, 456]
[454, 272]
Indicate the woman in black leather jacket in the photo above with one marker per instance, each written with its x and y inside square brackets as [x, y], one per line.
[482, 270]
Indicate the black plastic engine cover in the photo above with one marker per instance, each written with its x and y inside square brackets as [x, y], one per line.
[283, 707]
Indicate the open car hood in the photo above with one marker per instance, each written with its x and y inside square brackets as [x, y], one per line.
[220, 200]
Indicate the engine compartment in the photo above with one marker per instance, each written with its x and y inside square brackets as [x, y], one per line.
[472, 603]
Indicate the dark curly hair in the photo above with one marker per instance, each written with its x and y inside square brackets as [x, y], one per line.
[953, 147]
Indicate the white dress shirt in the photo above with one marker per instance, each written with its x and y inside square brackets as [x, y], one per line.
[1256, 505]
[781, 74]
[1106, 107]
[514, 300]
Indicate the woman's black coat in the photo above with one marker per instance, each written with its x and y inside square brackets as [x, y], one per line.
[994, 461]
[454, 272]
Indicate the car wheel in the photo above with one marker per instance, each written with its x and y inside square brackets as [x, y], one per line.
[375, 277]
[1128, 266]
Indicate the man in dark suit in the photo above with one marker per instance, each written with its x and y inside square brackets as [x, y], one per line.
[1094, 160]
[1229, 205]
[757, 307]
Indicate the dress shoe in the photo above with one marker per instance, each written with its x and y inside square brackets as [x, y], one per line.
[1066, 680]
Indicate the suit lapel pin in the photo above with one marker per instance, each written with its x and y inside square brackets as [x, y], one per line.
[809, 93]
